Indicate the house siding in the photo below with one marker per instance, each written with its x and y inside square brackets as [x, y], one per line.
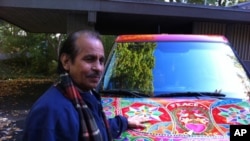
[237, 34]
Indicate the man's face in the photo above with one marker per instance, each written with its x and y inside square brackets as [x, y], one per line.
[87, 68]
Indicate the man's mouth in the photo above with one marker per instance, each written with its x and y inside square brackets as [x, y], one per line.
[95, 78]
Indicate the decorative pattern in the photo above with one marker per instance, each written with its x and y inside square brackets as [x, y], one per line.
[179, 119]
[236, 115]
[144, 111]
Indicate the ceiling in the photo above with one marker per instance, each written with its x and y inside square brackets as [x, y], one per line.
[115, 16]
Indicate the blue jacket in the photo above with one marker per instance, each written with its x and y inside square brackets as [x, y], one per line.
[54, 118]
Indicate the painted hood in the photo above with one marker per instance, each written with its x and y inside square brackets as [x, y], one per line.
[180, 119]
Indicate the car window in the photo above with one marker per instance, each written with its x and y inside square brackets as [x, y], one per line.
[162, 67]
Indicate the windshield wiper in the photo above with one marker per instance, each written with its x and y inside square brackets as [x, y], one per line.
[190, 94]
[124, 93]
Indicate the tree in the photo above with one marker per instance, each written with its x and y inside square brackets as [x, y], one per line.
[34, 53]
[108, 42]
[208, 2]
[133, 67]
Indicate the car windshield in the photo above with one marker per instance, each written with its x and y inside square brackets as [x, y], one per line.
[157, 68]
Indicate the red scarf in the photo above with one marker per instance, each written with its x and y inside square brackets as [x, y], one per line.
[89, 130]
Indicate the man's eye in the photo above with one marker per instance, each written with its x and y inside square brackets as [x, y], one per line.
[102, 61]
[89, 59]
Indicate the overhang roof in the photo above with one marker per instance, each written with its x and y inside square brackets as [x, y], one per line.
[115, 16]
[244, 5]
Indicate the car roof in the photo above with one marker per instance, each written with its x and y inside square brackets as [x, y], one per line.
[171, 37]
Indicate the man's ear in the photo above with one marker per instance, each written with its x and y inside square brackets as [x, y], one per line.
[65, 60]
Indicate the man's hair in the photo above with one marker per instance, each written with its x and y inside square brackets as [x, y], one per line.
[68, 47]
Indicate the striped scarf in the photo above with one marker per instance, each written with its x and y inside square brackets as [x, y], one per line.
[89, 130]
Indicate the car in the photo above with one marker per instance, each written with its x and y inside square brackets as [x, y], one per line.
[189, 87]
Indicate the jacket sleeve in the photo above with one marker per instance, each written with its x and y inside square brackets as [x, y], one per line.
[53, 123]
[117, 125]
[38, 127]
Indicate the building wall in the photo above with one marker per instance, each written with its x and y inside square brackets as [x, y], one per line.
[237, 34]
[240, 39]
[209, 28]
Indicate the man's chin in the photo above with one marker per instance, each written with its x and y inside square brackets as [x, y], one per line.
[93, 85]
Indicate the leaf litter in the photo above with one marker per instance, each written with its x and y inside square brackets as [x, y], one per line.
[9, 126]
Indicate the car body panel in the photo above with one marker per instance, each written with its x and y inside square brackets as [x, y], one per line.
[173, 37]
[178, 119]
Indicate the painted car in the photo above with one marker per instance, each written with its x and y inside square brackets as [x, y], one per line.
[190, 87]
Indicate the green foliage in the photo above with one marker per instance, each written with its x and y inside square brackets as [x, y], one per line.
[208, 2]
[33, 52]
[196, 1]
[108, 41]
[133, 68]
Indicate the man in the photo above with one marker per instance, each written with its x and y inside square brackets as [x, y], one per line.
[71, 110]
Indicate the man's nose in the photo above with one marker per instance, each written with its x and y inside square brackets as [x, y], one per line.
[97, 66]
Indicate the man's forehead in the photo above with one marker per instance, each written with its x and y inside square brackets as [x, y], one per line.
[90, 46]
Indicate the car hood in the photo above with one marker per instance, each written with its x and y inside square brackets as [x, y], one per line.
[180, 119]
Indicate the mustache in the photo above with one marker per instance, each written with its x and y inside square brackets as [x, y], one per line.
[95, 74]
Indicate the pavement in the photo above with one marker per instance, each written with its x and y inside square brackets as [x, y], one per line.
[12, 124]
[13, 112]
[15, 105]
[16, 99]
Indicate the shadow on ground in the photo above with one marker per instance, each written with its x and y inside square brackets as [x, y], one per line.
[16, 98]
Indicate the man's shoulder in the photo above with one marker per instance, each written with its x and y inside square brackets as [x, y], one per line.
[51, 99]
